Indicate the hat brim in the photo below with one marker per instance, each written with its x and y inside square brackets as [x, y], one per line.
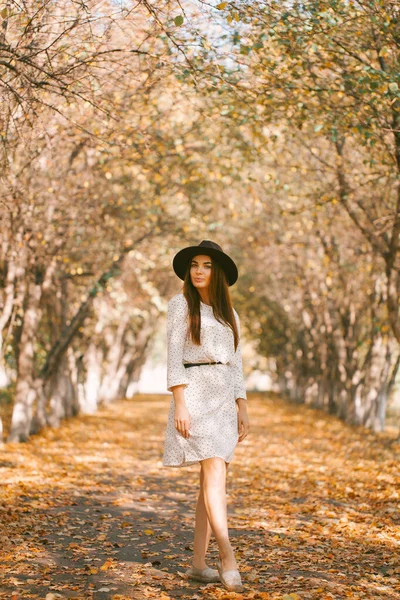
[182, 258]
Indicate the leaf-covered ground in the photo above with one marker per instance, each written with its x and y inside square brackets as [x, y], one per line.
[87, 510]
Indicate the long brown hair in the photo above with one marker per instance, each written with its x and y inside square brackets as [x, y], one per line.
[220, 301]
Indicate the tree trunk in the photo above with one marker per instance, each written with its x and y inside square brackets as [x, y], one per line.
[28, 388]
[62, 394]
[110, 383]
[377, 386]
[25, 392]
[15, 269]
[74, 376]
[138, 358]
[93, 360]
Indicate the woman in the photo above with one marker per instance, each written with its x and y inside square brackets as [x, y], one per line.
[208, 412]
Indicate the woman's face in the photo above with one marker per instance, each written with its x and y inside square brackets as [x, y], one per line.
[200, 271]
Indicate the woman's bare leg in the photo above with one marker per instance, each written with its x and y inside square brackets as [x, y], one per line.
[214, 494]
[202, 530]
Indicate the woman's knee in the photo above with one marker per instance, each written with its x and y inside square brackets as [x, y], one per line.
[212, 468]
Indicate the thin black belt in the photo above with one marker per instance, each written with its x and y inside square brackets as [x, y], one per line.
[186, 365]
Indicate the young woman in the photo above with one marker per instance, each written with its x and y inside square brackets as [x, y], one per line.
[208, 412]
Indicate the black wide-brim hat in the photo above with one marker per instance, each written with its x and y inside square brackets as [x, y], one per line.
[181, 259]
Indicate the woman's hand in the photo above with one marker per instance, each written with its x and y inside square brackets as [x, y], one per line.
[182, 420]
[243, 421]
[181, 414]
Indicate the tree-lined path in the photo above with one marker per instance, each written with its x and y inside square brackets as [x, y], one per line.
[87, 510]
[128, 129]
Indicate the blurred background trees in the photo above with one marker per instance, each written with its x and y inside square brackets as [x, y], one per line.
[128, 130]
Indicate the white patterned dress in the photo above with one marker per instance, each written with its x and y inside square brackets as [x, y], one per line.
[210, 390]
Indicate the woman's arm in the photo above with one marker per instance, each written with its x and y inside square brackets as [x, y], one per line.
[181, 415]
[176, 375]
[240, 389]
[176, 336]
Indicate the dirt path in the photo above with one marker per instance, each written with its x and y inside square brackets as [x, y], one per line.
[88, 512]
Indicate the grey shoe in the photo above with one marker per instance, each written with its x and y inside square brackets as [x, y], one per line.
[206, 575]
[230, 578]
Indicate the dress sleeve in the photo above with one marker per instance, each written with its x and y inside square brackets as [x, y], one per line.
[240, 390]
[176, 336]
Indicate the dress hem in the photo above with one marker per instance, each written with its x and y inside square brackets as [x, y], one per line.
[195, 462]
